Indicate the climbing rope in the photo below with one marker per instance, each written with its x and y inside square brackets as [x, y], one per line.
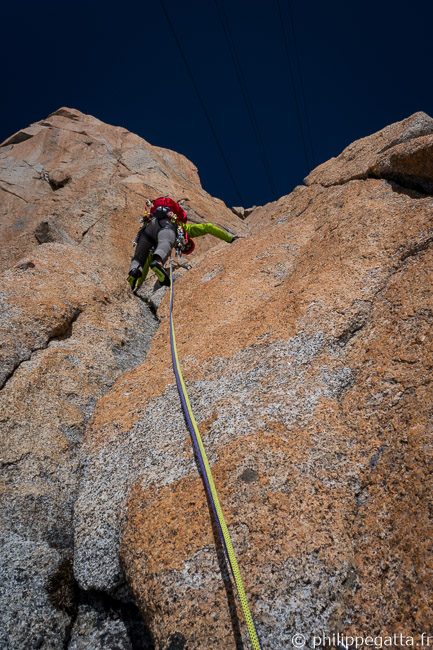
[208, 480]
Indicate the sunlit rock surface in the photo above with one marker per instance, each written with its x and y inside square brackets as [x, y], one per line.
[306, 350]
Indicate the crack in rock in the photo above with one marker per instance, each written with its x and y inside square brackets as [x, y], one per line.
[61, 332]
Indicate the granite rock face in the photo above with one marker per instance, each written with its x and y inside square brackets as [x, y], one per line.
[70, 331]
[306, 351]
[243, 213]
[72, 190]
[397, 152]
[72, 178]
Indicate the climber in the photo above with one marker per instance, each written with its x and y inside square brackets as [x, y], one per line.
[164, 227]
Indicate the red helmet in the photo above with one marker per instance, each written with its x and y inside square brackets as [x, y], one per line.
[189, 247]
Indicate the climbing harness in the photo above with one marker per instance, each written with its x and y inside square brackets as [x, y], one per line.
[208, 480]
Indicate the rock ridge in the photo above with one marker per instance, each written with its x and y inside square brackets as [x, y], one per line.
[398, 153]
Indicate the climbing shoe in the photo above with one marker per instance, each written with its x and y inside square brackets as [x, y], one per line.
[161, 273]
[135, 272]
[132, 281]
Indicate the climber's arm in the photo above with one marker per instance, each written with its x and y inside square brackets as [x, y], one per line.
[198, 229]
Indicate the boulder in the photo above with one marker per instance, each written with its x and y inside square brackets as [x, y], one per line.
[239, 212]
[243, 213]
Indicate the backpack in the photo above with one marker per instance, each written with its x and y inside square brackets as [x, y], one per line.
[168, 204]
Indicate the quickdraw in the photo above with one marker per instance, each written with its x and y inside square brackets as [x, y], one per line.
[181, 240]
[208, 480]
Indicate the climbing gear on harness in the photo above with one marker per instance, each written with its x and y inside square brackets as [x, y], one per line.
[181, 240]
[208, 480]
[184, 245]
[161, 273]
[145, 220]
[189, 248]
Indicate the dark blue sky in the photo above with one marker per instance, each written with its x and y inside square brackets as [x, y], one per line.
[364, 65]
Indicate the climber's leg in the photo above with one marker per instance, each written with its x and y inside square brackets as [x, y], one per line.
[166, 239]
[144, 244]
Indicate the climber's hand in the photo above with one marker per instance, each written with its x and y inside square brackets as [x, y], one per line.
[235, 237]
[132, 281]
